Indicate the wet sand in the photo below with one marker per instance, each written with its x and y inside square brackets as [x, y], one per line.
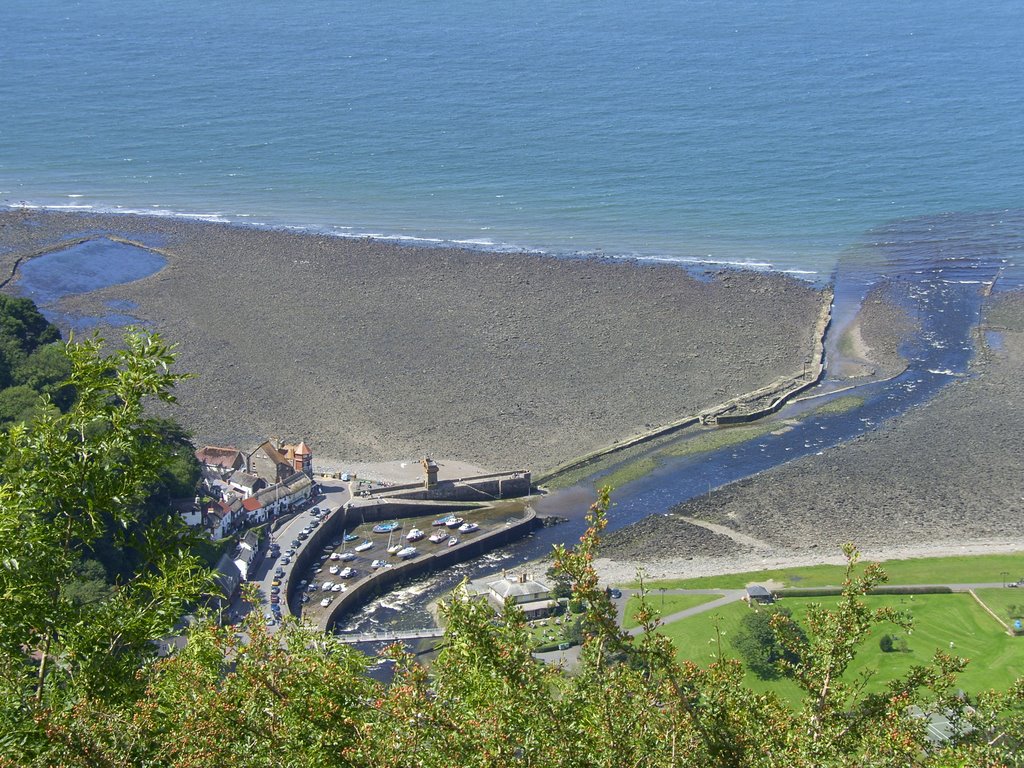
[372, 351]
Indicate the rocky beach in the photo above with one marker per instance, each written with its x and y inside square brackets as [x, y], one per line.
[372, 351]
[944, 479]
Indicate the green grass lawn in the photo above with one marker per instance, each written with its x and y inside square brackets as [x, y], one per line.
[996, 659]
[665, 605]
[925, 570]
[1007, 604]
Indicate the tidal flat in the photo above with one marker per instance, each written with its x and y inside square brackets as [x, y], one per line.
[373, 351]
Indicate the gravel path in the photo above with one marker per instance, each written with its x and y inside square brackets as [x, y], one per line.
[372, 351]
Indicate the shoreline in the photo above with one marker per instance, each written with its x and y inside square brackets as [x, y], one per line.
[389, 350]
[618, 572]
[698, 265]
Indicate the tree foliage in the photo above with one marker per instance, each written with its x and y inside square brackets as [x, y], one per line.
[81, 687]
[758, 644]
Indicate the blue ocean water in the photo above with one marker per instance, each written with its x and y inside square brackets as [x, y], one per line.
[769, 133]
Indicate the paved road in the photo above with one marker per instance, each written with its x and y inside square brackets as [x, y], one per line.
[334, 494]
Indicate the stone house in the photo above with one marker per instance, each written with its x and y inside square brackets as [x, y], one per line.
[221, 460]
[530, 594]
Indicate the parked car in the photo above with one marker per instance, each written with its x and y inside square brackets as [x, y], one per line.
[275, 583]
[326, 601]
[275, 599]
[275, 590]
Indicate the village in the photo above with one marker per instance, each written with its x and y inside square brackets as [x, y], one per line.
[279, 517]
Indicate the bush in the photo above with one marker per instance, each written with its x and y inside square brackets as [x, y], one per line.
[885, 642]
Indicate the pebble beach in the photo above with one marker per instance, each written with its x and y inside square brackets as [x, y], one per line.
[375, 351]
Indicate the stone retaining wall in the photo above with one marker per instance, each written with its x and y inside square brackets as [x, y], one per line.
[370, 586]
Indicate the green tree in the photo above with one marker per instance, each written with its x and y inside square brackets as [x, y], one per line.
[758, 645]
[22, 329]
[65, 479]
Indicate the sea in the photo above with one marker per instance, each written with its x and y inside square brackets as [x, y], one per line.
[772, 135]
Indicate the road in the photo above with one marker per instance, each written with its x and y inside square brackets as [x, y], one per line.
[334, 494]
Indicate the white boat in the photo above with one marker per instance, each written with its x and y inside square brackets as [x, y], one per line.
[347, 573]
[407, 552]
[347, 556]
[367, 544]
[335, 556]
[438, 537]
[468, 527]
[335, 570]
[378, 564]
[415, 535]
[454, 522]
[453, 541]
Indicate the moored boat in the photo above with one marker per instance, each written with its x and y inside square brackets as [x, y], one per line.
[442, 520]
[406, 552]
[414, 535]
[453, 541]
[367, 544]
[468, 527]
[387, 527]
[454, 522]
[438, 537]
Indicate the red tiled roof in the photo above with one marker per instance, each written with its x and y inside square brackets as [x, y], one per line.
[251, 504]
[213, 455]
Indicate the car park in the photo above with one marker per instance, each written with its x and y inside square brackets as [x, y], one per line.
[338, 588]
[326, 601]
[285, 560]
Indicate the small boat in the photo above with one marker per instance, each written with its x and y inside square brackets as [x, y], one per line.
[453, 541]
[468, 527]
[335, 570]
[387, 527]
[378, 564]
[414, 535]
[438, 537]
[347, 556]
[407, 552]
[454, 522]
[367, 544]
[442, 520]
[349, 537]
[394, 550]
[336, 556]
[347, 573]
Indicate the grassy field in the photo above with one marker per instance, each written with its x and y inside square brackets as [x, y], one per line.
[1007, 604]
[664, 605]
[925, 570]
[996, 659]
